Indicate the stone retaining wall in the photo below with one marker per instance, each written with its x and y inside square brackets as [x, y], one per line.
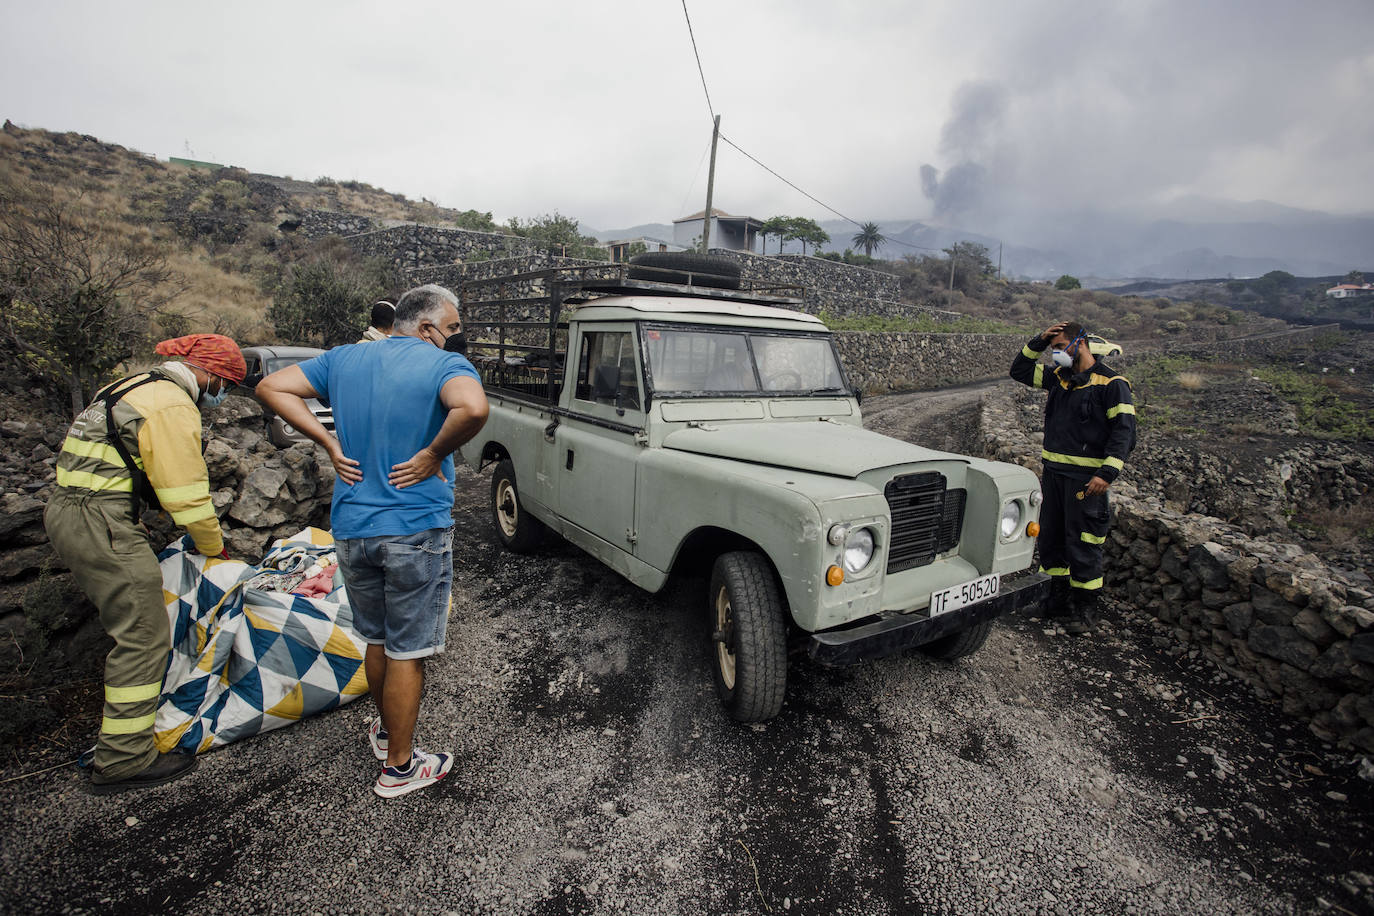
[916, 361]
[316, 224]
[1270, 614]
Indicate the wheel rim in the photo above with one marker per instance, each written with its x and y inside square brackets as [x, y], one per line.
[507, 511]
[725, 625]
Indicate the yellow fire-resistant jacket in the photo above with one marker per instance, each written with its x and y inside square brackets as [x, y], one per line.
[159, 424]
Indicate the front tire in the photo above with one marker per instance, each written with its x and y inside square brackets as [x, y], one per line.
[749, 636]
[516, 529]
[958, 645]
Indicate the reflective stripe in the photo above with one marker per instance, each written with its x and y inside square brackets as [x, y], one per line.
[109, 726]
[1091, 538]
[1027, 352]
[99, 450]
[1120, 408]
[1114, 462]
[1090, 585]
[1047, 455]
[132, 694]
[198, 490]
[1056, 571]
[1038, 380]
[187, 516]
[88, 481]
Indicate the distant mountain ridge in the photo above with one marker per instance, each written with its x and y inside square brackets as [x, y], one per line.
[1191, 237]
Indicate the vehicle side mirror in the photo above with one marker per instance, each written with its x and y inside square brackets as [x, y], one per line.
[858, 395]
[605, 383]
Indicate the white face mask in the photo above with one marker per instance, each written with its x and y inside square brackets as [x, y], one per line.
[1061, 359]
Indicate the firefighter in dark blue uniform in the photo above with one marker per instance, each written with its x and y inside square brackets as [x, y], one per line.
[1089, 433]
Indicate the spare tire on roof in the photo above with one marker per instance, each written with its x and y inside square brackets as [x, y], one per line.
[687, 267]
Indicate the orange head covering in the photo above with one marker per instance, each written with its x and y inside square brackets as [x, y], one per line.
[211, 352]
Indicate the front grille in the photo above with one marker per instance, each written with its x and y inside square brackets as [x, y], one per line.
[926, 519]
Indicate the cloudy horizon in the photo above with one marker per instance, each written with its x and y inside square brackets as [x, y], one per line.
[981, 114]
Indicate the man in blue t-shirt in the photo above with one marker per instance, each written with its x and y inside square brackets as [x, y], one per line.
[402, 406]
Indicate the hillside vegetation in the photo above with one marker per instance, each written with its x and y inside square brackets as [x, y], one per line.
[104, 250]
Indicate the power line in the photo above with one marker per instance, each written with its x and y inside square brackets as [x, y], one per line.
[698, 57]
[709, 107]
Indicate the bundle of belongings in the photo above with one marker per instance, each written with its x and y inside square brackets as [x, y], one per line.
[255, 647]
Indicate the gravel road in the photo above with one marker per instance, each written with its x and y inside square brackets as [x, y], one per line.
[597, 774]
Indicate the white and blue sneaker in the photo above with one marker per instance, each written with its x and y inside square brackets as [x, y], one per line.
[378, 738]
[422, 770]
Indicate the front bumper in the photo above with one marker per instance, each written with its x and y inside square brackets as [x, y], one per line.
[893, 634]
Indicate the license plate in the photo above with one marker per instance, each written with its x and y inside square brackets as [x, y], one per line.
[964, 594]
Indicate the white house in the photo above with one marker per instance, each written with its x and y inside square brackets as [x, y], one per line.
[619, 250]
[735, 233]
[1350, 290]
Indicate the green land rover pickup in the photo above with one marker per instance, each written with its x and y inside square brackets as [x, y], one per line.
[666, 427]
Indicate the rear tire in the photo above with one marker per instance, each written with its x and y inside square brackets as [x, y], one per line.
[958, 645]
[749, 636]
[516, 529]
[709, 270]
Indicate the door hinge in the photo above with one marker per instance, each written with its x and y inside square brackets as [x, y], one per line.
[642, 438]
[631, 536]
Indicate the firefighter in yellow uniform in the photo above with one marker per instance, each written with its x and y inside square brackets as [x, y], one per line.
[138, 444]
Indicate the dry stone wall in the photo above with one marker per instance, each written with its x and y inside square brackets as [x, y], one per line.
[917, 361]
[1271, 614]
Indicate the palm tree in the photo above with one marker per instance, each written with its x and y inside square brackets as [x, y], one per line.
[868, 237]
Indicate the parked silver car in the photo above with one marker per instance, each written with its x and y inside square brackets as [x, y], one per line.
[266, 360]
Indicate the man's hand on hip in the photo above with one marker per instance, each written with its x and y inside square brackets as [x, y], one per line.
[1097, 486]
[422, 466]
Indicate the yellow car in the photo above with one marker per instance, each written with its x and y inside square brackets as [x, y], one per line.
[1101, 346]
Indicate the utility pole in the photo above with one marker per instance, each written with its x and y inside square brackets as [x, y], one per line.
[999, 262]
[710, 189]
[949, 300]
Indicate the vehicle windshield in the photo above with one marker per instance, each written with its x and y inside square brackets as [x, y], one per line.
[709, 362]
[281, 362]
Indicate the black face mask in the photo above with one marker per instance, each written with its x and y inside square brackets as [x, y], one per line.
[457, 343]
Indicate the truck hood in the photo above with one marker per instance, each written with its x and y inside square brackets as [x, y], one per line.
[818, 446]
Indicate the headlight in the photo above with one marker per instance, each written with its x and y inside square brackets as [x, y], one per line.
[1011, 520]
[858, 549]
[1035, 498]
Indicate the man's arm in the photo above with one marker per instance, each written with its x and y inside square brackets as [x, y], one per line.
[1120, 435]
[285, 392]
[467, 413]
[1026, 368]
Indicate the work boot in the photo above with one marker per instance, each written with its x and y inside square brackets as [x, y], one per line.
[1057, 604]
[164, 769]
[1083, 620]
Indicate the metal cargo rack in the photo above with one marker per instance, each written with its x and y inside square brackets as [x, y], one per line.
[524, 312]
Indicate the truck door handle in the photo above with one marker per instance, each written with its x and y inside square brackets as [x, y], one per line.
[549, 430]
[569, 463]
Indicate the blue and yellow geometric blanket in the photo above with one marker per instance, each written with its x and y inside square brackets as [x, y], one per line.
[246, 659]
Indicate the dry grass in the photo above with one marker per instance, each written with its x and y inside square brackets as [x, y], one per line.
[1345, 527]
[1192, 381]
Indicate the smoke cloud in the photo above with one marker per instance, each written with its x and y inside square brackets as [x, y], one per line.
[969, 138]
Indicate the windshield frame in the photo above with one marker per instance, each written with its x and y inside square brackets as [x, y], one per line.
[749, 334]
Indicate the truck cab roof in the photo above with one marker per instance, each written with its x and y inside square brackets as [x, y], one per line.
[694, 310]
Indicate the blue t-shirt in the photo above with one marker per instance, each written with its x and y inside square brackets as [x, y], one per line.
[385, 396]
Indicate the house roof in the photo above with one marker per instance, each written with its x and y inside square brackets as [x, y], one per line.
[721, 216]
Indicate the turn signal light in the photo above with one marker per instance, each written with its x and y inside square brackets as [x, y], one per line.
[834, 576]
[1033, 529]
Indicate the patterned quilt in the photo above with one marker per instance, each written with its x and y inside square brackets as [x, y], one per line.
[247, 655]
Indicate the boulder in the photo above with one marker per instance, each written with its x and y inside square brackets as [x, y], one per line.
[1285, 644]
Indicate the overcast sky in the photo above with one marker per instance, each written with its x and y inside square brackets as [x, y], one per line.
[596, 109]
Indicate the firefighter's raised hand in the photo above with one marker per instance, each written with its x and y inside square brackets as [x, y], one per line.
[1053, 331]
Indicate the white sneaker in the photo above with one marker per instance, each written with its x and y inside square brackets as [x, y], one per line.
[423, 770]
[378, 738]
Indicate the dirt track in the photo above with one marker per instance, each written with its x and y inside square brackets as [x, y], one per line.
[597, 774]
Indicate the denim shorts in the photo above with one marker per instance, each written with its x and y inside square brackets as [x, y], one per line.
[400, 588]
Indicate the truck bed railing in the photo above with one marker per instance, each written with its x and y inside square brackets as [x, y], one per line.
[514, 321]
